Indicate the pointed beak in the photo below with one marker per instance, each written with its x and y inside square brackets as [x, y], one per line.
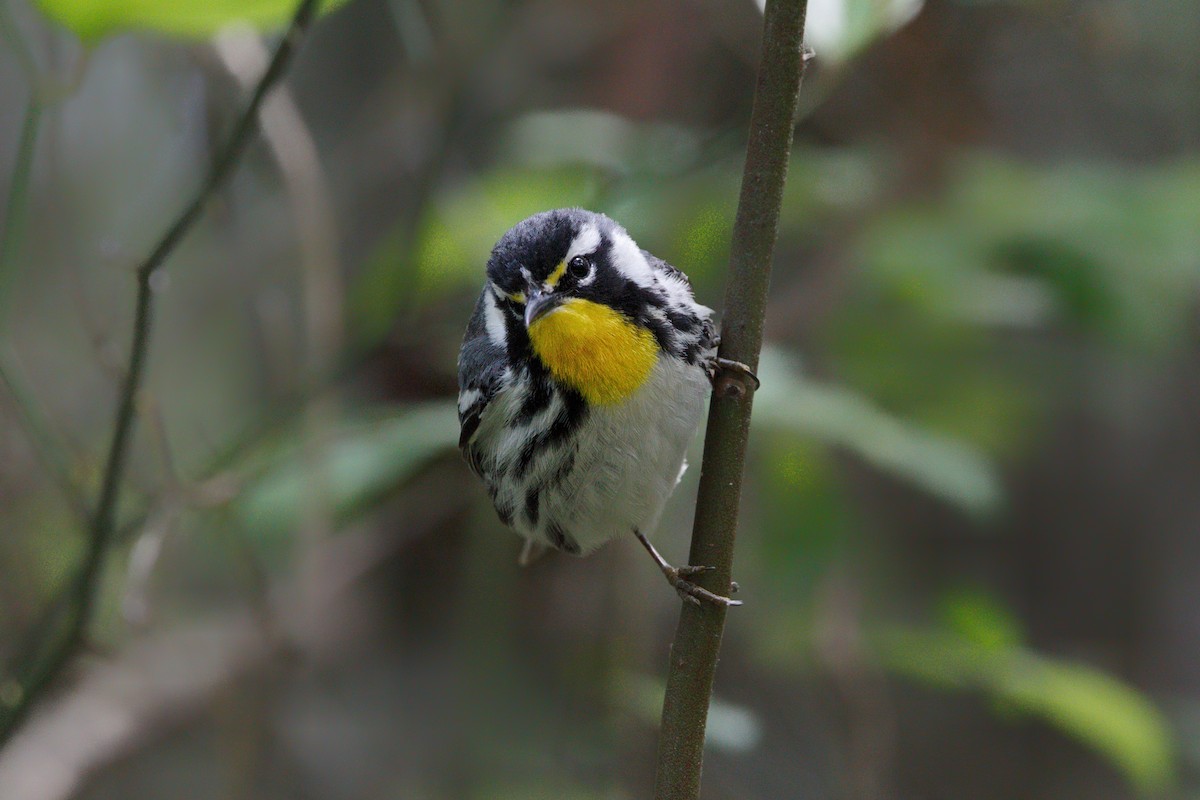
[538, 304]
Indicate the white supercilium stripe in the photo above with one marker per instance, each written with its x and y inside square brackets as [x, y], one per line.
[585, 243]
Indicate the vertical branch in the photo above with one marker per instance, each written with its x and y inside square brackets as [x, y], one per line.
[698, 637]
[45, 662]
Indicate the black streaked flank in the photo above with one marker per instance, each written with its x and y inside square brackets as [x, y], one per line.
[564, 469]
[572, 414]
[531, 506]
[539, 396]
[561, 539]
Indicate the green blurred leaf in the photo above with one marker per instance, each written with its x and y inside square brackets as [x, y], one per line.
[454, 239]
[1083, 702]
[1099, 710]
[364, 461]
[839, 416]
[458, 237]
[95, 19]
[1109, 250]
[982, 619]
[805, 517]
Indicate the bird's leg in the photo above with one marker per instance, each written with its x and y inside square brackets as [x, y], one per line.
[731, 378]
[678, 578]
[531, 551]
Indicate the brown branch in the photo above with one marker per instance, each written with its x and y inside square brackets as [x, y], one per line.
[698, 637]
[46, 661]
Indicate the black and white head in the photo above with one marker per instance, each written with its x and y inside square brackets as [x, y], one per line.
[572, 254]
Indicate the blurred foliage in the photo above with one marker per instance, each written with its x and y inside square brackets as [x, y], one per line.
[1095, 249]
[93, 20]
[838, 416]
[362, 462]
[457, 227]
[953, 306]
[980, 648]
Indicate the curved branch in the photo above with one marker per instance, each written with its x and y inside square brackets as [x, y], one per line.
[698, 637]
[46, 662]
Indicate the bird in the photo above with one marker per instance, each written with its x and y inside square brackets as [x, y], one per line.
[583, 376]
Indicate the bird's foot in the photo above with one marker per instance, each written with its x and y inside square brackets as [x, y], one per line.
[678, 578]
[731, 378]
[690, 592]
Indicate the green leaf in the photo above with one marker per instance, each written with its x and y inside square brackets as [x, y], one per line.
[982, 619]
[451, 246]
[1097, 709]
[839, 416]
[94, 19]
[362, 463]
[1108, 249]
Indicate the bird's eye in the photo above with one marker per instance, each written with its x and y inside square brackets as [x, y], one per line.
[579, 267]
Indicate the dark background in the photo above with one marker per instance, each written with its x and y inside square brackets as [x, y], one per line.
[969, 549]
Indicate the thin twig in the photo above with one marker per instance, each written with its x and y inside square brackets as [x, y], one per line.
[698, 638]
[47, 664]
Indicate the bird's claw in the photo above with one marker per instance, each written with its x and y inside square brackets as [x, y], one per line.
[690, 592]
[678, 578]
[732, 378]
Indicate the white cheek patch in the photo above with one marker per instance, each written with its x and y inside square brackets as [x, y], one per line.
[584, 243]
[494, 319]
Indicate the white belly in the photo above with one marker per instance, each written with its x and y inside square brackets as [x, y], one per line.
[629, 459]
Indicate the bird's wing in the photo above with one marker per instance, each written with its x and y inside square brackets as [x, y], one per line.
[481, 367]
[706, 338]
[659, 265]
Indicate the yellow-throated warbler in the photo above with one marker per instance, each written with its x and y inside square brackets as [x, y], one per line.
[582, 380]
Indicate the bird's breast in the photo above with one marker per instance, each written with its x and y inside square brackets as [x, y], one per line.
[594, 349]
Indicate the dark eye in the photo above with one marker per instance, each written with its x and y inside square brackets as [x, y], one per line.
[579, 267]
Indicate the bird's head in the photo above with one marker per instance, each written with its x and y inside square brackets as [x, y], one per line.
[580, 287]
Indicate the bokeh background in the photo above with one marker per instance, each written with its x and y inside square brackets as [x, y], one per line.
[969, 550]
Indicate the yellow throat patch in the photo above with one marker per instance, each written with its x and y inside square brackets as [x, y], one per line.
[594, 349]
